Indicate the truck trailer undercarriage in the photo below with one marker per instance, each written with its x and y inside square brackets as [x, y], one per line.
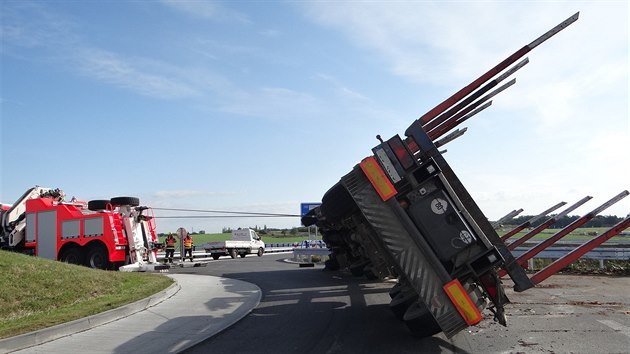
[403, 213]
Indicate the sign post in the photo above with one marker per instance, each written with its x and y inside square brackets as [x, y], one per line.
[304, 209]
[181, 234]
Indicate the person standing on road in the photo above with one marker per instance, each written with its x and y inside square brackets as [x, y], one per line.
[169, 248]
[188, 246]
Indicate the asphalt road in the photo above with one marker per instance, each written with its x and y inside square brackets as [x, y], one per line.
[309, 310]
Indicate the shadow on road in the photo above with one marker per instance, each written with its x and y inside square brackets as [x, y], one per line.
[308, 310]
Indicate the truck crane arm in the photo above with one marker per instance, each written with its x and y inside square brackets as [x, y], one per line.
[12, 221]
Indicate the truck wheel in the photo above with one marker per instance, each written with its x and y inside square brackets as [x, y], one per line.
[72, 256]
[369, 273]
[357, 269]
[243, 255]
[395, 290]
[401, 303]
[233, 253]
[132, 201]
[260, 252]
[97, 258]
[420, 321]
[216, 256]
[98, 204]
[337, 203]
[331, 264]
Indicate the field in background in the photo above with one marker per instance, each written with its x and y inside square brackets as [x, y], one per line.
[579, 235]
[198, 239]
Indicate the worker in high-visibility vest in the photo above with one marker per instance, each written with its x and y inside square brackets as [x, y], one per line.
[188, 246]
[169, 247]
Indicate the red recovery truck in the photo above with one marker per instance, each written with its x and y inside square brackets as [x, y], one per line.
[104, 234]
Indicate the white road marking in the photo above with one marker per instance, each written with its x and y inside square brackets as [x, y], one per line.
[616, 326]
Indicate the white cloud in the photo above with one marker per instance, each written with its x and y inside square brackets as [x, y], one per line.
[341, 89]
[184, 194]
[271, 103]
[450, 43]
[211, 10]
[571, 100]
[131, 74]
[30, 25]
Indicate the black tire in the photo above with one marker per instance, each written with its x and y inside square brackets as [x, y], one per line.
[233, 253]
[72, 256]
[401, 303]
[99, 204]
[357, 270]
[260, 252]
[97, 257]
[243, 255]
[216, 256]
[395, 290]
[420, 321]
[131, 201]
[369, 273]
[337, 203]
[331, 264]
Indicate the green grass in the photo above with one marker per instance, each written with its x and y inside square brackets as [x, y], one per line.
[581, 234]
[38, 293]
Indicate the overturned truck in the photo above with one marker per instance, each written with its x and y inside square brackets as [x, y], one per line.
[403, 213]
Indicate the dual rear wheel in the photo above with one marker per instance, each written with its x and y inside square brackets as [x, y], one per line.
[95, 256]
[103, 204]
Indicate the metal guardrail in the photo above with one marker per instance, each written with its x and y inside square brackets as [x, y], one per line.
[306, 254]
[202, 254]
[598, 253]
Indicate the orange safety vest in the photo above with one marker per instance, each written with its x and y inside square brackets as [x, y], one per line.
[170, 243]
[188, 242]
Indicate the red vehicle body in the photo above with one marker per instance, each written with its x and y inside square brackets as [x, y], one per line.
[104, 234]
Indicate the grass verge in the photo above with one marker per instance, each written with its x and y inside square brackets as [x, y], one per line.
[39, 293]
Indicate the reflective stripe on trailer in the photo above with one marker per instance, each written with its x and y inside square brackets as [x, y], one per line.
[462, 302]
[377, 177]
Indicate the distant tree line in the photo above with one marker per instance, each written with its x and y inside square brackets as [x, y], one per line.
[275, 231]
[597, 221]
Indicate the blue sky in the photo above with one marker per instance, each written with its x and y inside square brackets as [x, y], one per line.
[259, 106]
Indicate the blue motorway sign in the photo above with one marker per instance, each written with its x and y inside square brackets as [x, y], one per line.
[306, 207]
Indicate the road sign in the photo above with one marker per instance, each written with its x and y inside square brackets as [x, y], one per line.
[306, 207]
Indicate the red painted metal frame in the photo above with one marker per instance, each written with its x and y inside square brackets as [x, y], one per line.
[531, 253]
[574, 255]
[530, 221]
[547, 223]
[449, 102]
[568, 229]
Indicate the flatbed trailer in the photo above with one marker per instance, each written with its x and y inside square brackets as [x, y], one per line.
[403, 213]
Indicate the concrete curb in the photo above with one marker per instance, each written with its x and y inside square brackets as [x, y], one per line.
[238, 315]
[65, 329]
